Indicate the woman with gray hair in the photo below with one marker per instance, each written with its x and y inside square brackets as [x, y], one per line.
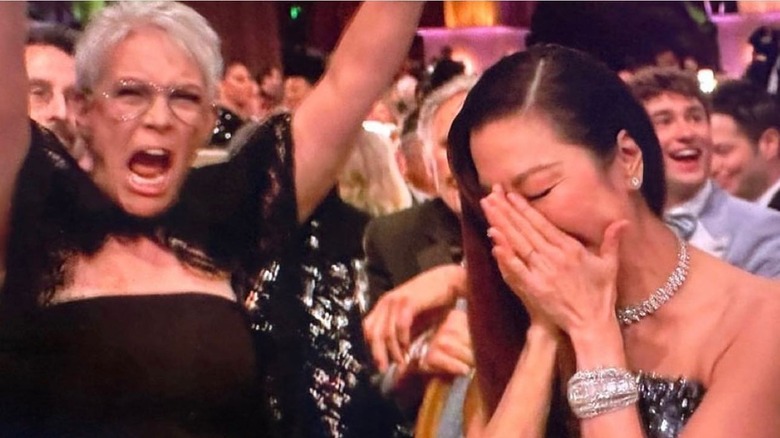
[119, 307]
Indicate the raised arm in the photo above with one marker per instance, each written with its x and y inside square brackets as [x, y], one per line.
[13, 109]
[362, 67]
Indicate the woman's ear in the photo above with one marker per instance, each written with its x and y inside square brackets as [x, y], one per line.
[629, 157]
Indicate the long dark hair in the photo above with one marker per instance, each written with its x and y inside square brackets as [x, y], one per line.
[588, 105]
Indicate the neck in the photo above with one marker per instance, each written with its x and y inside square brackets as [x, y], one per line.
[676, 195]
[648, 255]
[773, 175]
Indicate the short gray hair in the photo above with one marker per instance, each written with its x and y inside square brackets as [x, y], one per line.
[181, 23]
[431, 104]
[456, 85]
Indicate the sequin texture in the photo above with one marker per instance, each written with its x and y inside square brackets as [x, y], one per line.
[667, 404]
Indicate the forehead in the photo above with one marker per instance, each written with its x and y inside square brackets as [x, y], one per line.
[672, 102]
[446, 112]
[516, 146]
[724, 124]
[46, 60]
[238, 69]
[148, 53]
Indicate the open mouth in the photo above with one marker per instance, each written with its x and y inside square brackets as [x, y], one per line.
[149, 170]
[687, 155]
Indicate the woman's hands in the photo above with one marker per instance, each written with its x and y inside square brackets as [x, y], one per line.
[554, 275]
[389, 326]
[449, 349]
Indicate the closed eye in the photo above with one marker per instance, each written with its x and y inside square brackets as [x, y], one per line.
[187, 96]
[542, 194]
[539, 195]
[131, 90]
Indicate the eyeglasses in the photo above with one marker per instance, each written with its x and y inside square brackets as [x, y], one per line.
[128, 99]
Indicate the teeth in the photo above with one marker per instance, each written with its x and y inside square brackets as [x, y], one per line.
[156, 152]
[686, 153]
[140, 180]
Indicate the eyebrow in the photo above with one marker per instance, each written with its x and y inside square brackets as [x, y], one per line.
[522, 176]
[39, 82]
[687, 110]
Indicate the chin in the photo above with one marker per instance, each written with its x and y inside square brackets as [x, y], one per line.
[146, 207]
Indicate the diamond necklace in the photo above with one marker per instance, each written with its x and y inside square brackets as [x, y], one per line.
[631, 314]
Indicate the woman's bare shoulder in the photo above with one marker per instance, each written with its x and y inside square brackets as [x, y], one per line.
[754, 301]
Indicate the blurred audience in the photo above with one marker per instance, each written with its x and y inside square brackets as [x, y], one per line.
[303, 68]
[233, 104]
[370, 179]
[744, 234]
[413, 163]
[413, 261]
[51, 70]
[746, 142]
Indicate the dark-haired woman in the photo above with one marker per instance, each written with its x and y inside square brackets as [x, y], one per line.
[578, 290]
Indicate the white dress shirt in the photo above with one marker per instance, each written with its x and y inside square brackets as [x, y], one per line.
[701, 238]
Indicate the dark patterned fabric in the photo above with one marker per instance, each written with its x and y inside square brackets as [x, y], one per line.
[316, 366]
[68, 369]
[226, 126]
[667, 404]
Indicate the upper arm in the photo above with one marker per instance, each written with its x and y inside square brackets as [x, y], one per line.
[744, 396]
[362, 67]
[13, 109]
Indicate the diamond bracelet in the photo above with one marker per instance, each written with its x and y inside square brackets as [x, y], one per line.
[596, 392]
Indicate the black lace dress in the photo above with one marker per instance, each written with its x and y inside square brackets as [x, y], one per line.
[317, 370]
[169, 365]
[184, 364]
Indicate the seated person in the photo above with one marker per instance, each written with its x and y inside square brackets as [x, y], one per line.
[745, 123]
[743, 234]
[412, 257]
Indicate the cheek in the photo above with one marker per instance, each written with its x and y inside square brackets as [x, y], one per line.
[583, 212]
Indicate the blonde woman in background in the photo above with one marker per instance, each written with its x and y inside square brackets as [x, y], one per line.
[370, 180]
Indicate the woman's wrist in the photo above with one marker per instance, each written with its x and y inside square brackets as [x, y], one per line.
[599, 346]
[456, 279]
[541, 337]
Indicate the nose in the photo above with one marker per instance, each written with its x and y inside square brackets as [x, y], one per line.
[159, 112]
[58, 107]
[687, 130]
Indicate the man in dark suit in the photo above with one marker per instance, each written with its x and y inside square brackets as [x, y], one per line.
[414, 260]
[405, 244]
[400, 246]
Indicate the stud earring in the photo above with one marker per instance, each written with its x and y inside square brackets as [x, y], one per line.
[635, 182]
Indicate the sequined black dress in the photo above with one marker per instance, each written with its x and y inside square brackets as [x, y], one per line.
[665, 405]
[316, 366]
